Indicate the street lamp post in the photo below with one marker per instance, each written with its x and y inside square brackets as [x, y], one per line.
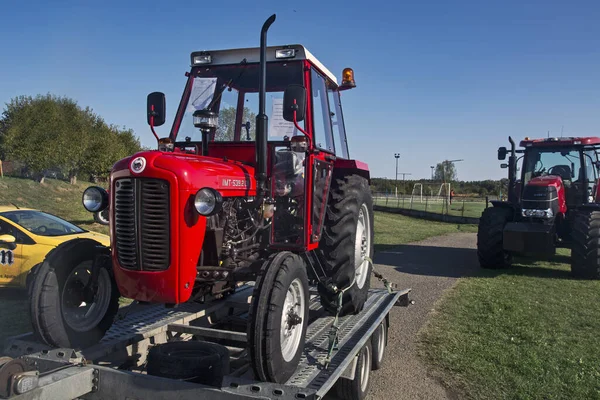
[397, 156]
[432, 167]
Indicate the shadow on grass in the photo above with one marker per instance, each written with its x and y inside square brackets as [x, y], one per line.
[453, 262]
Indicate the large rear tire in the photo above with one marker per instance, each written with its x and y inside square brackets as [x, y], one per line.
[346, 248]
[490, 249]
[63, 312]
[585, 253]
[278, 317]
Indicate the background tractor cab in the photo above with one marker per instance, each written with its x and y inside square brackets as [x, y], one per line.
[559, 186]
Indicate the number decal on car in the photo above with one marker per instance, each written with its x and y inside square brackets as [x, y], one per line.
[7, 257]
[234, 183]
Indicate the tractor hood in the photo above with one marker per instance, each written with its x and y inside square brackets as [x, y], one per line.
[193, 172]
[545, 192]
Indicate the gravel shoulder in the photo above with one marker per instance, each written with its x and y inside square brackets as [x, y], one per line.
[429, 268]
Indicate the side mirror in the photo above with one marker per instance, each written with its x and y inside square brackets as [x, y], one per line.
[294, 99]
[8, 240]
[502, 153]
[156, 108]
[504, 165]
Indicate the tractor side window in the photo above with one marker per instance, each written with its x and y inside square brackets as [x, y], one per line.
[337, 121]
[321, 122]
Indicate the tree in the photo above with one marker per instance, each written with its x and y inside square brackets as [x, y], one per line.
[445, 172]
[48, 132]
[225, 131]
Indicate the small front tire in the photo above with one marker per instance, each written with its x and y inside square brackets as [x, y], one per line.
[358, 388]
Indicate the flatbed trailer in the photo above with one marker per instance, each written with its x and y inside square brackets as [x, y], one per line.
[115, 368]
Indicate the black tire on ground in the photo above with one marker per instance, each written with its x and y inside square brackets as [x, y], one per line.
[357, 388]
[193, 361]
[379, 343]
[56, 309]
[282, 277]
[101, 217]
[348, 197]
[585, 252]
[490, 249]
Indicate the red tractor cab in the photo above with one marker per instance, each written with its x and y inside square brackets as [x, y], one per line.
[254, 182]
[555, 203]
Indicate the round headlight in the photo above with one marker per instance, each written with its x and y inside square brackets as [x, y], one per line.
[95, 199]
[207, 201]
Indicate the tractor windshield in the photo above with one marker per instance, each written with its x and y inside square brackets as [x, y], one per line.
[232, 92]
[563, 162]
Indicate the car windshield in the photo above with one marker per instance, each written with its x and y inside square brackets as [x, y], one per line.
[42, 224]
[564, 162]
[237, 104]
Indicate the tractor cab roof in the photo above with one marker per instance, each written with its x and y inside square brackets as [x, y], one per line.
[560, 142]
[252, 55]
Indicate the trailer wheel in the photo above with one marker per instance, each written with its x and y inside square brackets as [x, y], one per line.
[101, 217]
[278, 317]
[358, 388]
[64, 313]
[490, 250]
[194, 361]
[378, 344]
[585, 253]
[347, 242]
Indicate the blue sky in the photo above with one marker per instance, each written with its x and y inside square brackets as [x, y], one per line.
[435, 79]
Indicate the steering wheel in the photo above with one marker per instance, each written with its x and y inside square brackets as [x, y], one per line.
[40, 229]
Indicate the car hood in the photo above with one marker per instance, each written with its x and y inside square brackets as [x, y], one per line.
[56, 240]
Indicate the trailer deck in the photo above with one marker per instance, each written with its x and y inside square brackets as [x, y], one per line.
[115, 368]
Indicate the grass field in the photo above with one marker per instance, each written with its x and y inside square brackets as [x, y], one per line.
[62, 199]
[529, 332]
[458, 207]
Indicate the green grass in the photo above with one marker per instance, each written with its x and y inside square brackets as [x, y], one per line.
[529, 332]
[458, 207]
[395, 229]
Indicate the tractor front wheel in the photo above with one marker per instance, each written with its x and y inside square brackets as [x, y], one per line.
[585, 253]
[490, 249]
[346, 248]
[278, 317]
[67, 308]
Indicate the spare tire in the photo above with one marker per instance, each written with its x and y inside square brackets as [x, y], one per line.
[194, 361]
[346, 247]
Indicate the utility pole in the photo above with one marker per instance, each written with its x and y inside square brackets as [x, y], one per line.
[397, 156]
[432, 167]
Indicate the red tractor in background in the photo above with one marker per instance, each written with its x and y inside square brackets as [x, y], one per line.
[224, 200]
[556, 203]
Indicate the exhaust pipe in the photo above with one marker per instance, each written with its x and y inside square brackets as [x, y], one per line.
[512, 173]
[261, 118]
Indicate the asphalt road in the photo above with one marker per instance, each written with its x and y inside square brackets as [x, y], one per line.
[429, 268]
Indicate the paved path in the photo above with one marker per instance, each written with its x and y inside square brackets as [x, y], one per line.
[429, 268]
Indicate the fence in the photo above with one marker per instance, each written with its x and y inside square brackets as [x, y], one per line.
[460, 205]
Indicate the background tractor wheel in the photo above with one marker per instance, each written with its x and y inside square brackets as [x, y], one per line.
[346, 243]
[193, 361]
[585, 253]
[490, 250]
[64, 311]
[278, 317]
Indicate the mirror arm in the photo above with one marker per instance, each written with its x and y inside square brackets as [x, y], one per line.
[302, 130]
[152, 124]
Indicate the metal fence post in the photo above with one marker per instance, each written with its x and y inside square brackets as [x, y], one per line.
[463, 210]
[386, 200]
[486, 201]
[426, 203]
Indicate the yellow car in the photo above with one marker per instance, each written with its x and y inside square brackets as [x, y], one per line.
[27, 235]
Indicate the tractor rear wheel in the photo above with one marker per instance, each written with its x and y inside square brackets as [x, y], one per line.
[278, 317]
[585, 253]
[346, 248]
[66, 309]
[490, 250]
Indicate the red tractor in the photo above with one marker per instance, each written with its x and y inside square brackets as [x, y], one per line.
[556, 203]
[253, 183]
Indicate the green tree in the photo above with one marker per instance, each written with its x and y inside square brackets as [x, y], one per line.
[226, 129]
[445, 172]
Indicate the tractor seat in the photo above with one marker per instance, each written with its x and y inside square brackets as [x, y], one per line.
[564, 171]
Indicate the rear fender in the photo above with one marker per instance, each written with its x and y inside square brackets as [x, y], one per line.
[342, 167]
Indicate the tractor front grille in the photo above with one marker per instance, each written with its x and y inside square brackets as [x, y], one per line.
[142, 223]
[540, 198]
